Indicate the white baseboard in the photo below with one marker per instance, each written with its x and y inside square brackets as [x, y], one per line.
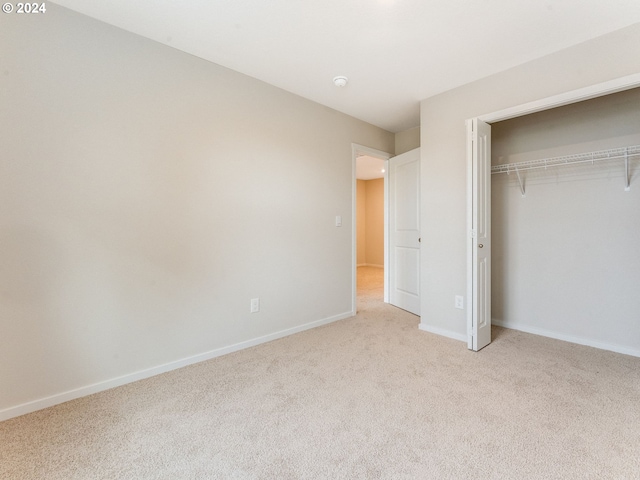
[56, 399]
[442, 332]
[369, 265]
[567, 338]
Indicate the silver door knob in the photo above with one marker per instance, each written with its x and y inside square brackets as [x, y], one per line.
[480, 246]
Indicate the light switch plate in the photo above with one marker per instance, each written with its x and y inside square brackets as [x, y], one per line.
[459, 301]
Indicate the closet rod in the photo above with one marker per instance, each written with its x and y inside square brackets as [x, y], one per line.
[590, 157]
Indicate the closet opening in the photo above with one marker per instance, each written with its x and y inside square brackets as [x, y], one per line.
[564, 261]
[565, 223]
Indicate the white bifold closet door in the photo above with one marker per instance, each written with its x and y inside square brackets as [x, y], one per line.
[479, 241]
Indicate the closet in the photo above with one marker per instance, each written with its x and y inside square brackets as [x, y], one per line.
[566, 222]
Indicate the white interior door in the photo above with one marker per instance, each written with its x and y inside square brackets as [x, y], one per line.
[479, 243]
[404, 231]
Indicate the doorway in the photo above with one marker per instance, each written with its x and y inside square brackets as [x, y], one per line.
[389, 236]
[370, 212]
[370, 219]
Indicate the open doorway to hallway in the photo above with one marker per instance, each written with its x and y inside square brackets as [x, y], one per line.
[370, 230]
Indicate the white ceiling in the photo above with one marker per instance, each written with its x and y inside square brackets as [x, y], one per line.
[394, 52]
[369, 168]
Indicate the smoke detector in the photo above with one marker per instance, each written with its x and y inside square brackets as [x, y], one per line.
[340, 81]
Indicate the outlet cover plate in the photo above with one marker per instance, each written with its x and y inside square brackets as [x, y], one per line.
[255, 305]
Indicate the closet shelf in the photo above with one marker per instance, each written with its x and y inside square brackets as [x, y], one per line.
[589, 157]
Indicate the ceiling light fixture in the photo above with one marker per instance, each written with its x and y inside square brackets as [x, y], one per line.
[340, 81]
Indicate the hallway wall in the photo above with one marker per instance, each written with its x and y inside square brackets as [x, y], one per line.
[370, 227]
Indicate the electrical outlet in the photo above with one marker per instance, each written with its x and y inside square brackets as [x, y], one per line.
[255, 305]
[459, 301]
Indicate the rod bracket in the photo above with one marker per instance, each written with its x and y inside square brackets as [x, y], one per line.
[520, 182]
[627, 178]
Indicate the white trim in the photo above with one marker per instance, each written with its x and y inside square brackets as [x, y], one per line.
[574, 96]
[52, 400]
[372, 152]
[567, 338]
[385, 295]
[442, 332]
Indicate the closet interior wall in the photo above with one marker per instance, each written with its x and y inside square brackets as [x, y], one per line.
[566, 261]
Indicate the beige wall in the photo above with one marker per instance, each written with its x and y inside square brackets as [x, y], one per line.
[370, 218]
[443, 155]
[375, 222]
[407, 140]
[565, 257]
[361, 219]
[146, 196]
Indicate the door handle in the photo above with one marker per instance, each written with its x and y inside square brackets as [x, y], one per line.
[420, 240]
[480, 246]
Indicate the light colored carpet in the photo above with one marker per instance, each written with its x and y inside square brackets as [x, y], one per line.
[364, 398]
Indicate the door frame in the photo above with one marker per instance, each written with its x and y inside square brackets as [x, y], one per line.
[574, 96]
[356, 150]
